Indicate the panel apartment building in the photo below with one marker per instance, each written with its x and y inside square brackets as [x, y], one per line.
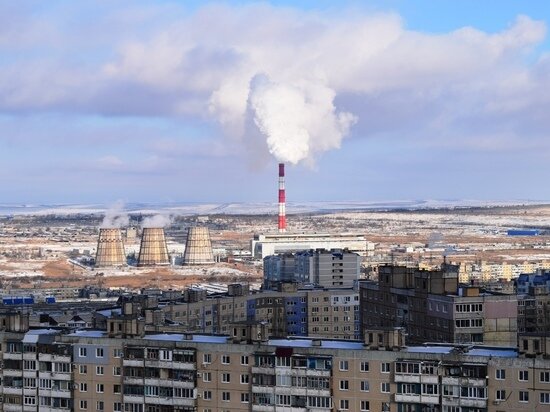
[335, 268]
[93, 370]
[333, 313]
[432, 307]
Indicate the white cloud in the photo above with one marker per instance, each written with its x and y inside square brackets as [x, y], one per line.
[346, 66]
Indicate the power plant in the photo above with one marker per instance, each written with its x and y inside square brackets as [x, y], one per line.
[198, 247]
[282, 199]
[110, 249]
[153, 250]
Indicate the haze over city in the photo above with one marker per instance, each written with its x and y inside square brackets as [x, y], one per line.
[197, 101]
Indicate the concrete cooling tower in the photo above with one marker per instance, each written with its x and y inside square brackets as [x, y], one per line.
[153, 250]
[110, 249]
[198, 248]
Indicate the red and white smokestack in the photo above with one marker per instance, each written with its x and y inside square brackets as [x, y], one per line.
[282, 198]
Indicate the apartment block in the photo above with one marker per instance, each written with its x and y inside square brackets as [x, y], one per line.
[432, 307]
[54, 370]
[335, 268]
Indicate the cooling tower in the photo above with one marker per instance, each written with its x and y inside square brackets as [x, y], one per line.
[110, 249]
[198, 248]
[153, 250]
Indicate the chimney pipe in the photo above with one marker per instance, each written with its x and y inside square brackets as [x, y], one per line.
[282, 199]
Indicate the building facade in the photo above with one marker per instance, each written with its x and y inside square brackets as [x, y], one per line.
[48, 370]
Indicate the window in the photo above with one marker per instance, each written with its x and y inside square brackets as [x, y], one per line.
[82, 369]
[500, 374]
[344, 385]
[344, 404]
[523, 376]
[385, 367]
[82, 352]
[226, 360]
[545, 377]
[244, 360]
[117, 407]
[99, 370]
[226, 396]
[117, 370]
[207, 395]
[523, 396]
[29, 400]
[364, 366]
[545, 397]
[385, 387]
[117, 389]
[245, 397]
[226, 377]
[83, 387]
[206, 376]
[365, 406]
[245, 378]
[344, 365]
[100, 388]
[83, 404]
[206, 358]
[385, 407]
[500, 395]
[99, 352]
[117, 353]
[100, 405]
[364, 386]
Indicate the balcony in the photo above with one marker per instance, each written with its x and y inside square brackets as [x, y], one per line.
[13, 355]
[264, 370]
[462, 381]
[12, 390]
[415, 378]
[414, 398]
[12, 372]
[157, 400]
[133, 362]
[473, 403]
[48, 357]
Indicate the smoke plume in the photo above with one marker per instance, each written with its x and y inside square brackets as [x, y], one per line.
[115, 216]
[298, 121]
[157, 221]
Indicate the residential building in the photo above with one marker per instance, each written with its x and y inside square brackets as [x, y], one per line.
[432, 307]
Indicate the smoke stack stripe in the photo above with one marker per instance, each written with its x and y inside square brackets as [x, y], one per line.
[282, 199]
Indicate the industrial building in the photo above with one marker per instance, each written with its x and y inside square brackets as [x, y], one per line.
[263, 245]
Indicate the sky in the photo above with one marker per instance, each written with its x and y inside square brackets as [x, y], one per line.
[193, 101]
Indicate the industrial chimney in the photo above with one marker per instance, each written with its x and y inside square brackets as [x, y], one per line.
[153, 250]
[282, 199]
[110, 249]
[198, 248]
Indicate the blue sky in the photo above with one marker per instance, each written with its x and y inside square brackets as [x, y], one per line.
[197, 102]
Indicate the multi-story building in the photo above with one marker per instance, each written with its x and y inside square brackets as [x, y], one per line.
[288, 311]
[434, 308]
[335, 268]
[263, 245]
[534, 310]
[52, 370]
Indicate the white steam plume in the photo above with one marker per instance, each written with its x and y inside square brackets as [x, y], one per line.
[115, 216]
[156, 221]
[298, 121]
